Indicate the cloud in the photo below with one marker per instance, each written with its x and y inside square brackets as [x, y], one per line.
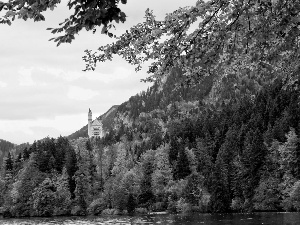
[48, 92]
[19, 130]
[25, 78]
[81, 94]
[3, 84]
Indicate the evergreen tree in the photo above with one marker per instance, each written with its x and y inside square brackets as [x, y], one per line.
[288, 154]
[18, 163]
[71, 168]
[174, 145]
[82, 191]
[253, 158]
[146, 196]
[162, 173]
[220, 197]
[26, 153]
[182, 168]
[9, 162]
[131, 204]
[61, 145]
[205, 161]
[229, 150]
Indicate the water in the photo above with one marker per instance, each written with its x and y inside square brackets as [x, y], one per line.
[193, 219]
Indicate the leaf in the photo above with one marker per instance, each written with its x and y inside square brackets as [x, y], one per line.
[104, 30]
[10, 13]
[54, 31]
[1, 6]
[122, 15]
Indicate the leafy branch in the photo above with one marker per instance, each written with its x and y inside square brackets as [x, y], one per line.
[87, 14]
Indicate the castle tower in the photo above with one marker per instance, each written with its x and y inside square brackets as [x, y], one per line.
[95, 128]
[90, 123]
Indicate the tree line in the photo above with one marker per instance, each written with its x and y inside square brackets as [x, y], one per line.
[240, 157]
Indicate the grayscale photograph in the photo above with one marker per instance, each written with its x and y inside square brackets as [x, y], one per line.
[132, 112]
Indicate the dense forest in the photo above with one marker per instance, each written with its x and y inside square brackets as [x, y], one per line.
[241, 156]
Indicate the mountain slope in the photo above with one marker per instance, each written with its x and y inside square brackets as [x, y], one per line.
[158, 96]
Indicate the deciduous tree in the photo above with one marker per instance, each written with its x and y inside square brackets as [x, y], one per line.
[86, 15]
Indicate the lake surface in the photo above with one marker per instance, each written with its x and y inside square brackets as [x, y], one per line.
[193, 219]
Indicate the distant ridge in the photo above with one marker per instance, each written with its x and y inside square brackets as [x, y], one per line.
[107, 120]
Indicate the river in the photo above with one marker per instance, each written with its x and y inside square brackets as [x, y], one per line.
[192, 219]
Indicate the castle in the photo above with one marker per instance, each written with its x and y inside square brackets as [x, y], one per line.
[95, 128]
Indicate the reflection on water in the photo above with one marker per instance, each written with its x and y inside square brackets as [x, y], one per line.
[193, 219]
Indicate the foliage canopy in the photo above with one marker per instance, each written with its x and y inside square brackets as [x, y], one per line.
[242, 44]
[86, 14]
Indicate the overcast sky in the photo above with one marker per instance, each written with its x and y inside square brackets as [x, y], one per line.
[43, 91]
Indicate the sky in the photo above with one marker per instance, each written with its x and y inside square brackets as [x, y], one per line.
[43, 90]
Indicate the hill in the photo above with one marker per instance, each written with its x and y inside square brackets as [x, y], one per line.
[158, 96]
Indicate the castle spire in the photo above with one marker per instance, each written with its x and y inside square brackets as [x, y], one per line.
[90, 122]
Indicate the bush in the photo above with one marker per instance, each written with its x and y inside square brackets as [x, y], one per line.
[159, 206]
[248, 206]
[267, 194]
[78, 211]
[6, 213]
[119, 212]
[108, 212]
[197, 209]
[119, 197]
[44, 198]
[172, 206]
[237, 204]
[295, 196]
[183, 206]
[141, 211]
[96, 207]
[204, 202]
[176, 189]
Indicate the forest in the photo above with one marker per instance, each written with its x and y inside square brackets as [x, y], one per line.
[241, 157]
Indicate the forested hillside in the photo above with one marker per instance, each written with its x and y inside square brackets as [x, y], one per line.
[241, 156]
[107, 121]
[161, 95]
[158, 96]
[5, 147]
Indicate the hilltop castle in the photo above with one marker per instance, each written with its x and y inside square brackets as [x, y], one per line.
[95, 128]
